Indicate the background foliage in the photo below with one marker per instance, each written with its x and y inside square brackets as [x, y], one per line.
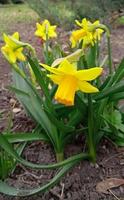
[64, 12]
[10, 1]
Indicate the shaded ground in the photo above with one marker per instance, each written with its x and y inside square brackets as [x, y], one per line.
[80, 182]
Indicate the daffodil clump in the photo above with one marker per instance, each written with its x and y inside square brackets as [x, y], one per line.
[88, 33]
[65, 95]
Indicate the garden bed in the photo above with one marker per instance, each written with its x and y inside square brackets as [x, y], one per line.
[80, 183]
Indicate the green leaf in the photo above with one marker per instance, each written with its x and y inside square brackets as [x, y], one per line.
[75, 117]
[19, 149]
[40, 79]
[117, 88]
[116, 97]
[7, 162]
[33, 104]
[25, 137]
[60, 125]
[119, 73]
[106, 82]
[9, 190]
[62, 110]
[10, 150]
[119, 138]
[91, 56]
[120, 142]
[18, 91]
[115, 119]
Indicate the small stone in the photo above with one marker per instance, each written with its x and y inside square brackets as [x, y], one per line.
[104, 147]
[122, 162]
[12, 101]
[16, 110]
[116, 61]
[69, 195]
[96, 166]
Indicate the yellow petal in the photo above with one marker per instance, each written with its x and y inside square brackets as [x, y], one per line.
[20, 55]
[85, 23]
[66, 67]
[16, 35]
[73, 42]
[78, 34]
[8, 41]
[88, 39]
[97, 34]
[38, 26]
[96, 23]
[51, 69]
[56, 78]
[51, 31]
[40, 32]
[78, 23]
[45, 30]
[12, 57]
[89, 74]
[86, 87]
[46, 22]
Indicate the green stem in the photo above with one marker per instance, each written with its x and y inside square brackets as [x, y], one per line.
[109, 55]
[47, 49]
[59, 157]
[85, 62]
[90, 137]
[105, 28]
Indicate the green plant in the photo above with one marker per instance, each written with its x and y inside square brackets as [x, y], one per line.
[7, 162]
[58, 118]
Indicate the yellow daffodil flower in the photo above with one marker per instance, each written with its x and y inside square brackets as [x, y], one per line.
[89, 33]
[45, 30]
[12, 49]
[70, 80]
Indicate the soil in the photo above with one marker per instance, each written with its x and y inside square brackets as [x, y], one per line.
[80, 182]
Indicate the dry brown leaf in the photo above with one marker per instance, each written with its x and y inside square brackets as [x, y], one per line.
[109, 183]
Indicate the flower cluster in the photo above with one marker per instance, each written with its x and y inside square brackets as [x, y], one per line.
[68, 78]
[88, 33]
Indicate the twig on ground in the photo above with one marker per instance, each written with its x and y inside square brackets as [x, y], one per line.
[113, 194]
